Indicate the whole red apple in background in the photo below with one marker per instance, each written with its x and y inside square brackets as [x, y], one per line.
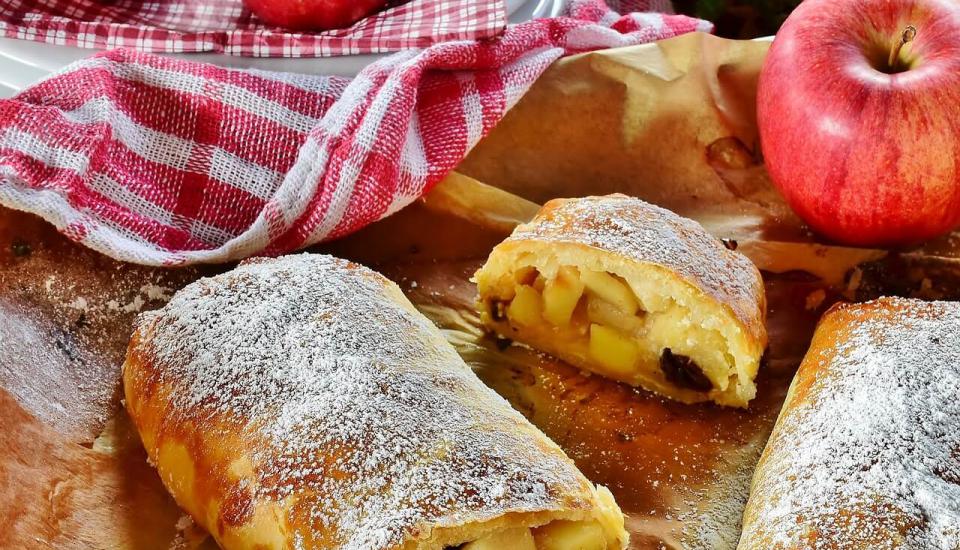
[866, 152]
[313, 14]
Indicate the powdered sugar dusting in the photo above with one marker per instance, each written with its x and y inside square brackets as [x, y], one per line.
[357, 409]
[641, 231]
[867, 451]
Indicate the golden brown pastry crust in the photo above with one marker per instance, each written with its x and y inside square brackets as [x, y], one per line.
[303, 402]
[624, 234]
[641, 232]
[866, 451]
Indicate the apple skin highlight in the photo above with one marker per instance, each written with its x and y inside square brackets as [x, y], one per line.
[313, 15]
[866, 153]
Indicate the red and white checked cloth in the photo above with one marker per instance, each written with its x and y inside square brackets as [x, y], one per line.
[161, 161]
[226, 26]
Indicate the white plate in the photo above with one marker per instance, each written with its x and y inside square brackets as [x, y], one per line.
[22, 62]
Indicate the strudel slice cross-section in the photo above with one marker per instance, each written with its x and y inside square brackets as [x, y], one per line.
[303, 403]
[631, 291]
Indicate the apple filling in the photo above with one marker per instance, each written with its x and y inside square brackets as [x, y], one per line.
[640, 332]
[557, 535]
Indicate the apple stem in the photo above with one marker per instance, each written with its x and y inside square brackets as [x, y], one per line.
[908, 35]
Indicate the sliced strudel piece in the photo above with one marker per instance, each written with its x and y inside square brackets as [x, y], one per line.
[303, 403]
[866, 452]
[626, 289]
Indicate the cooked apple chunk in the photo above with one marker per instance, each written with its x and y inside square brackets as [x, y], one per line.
[561, 296]
[617, 352]
[526, 307]
[556, 535]
[519, 538]
[633, 292]
[570, 535]
[604, 313]
[612, 290]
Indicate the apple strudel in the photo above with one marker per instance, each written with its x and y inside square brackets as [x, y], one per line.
[302, 402]
[631, 291]
[866, 451]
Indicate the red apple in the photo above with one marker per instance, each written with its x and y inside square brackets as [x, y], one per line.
[314, 15]
[865, 149]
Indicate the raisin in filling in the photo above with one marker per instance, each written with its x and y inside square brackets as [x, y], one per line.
[682, 371]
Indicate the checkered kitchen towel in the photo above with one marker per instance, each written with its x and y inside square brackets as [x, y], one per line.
[162, 161]
[226, 26]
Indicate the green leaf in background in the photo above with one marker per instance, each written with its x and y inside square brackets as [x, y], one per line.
[710, 9]
[740, 18]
